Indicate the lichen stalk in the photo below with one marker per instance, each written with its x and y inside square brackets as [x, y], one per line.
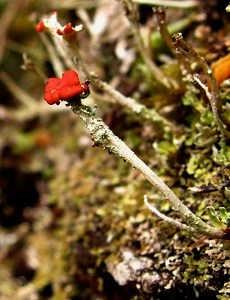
[212, 93]
[166, 218]
[71, 55]
[161, 20]
[104, 137]
[116, 97]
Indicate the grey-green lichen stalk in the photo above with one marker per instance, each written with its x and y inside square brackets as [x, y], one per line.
[102, 136]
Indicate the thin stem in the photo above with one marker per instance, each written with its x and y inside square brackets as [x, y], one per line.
[130, 103]
[213, 94]
[169, 220]
[104, 137]
[39, 110]
[56, 62]
[169, 3]
[16, 90]
[212, 101]
[73, 55]
[161, 20]
[60, 48]
[7, 17]
[145, 55]
[166, 36]
[84, 17]
[132, 15]
[30, 107]
[29, 65]
[173, 27]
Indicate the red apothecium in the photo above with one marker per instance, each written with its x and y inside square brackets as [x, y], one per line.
[65, 88]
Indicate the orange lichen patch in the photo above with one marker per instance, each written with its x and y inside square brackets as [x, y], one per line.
[221, 68]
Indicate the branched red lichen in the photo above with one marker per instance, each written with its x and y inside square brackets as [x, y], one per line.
[65, 88]
[68, 28]
[51, 25]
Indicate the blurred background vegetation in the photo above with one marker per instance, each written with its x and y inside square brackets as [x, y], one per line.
[72, 220]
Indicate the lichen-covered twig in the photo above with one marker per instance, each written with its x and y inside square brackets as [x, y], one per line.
[58, 88]
[72, 56]
[127, 102]
[166, 218]
[56, 62]
[184, 64]
[211, 91]
[161, 20]
[116, 97]
[179, 47]
[102, 136]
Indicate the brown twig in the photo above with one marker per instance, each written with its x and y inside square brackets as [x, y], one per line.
[131, 12]
[7, 17]
[211, 92]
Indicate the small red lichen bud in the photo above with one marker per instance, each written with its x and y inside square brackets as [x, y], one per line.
[68, 28]
[40, 26]
[59, 31]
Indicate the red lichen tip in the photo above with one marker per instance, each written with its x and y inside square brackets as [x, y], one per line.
[59, 31]
[65, 88]
[68, 28]
[40, 26]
